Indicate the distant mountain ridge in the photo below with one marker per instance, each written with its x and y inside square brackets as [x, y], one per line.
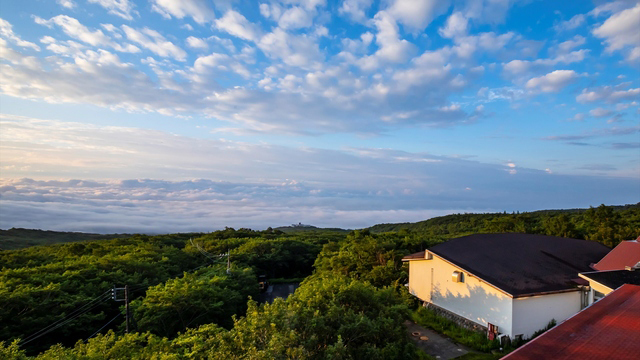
[18, 238]
[474, 220]
[300, 227]
[439, 227]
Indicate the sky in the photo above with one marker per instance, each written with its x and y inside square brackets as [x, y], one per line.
[191, 115]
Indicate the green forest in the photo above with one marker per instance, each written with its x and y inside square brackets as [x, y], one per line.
[184, 303]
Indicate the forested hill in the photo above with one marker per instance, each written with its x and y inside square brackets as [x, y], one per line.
[606, 224]
[185, 303]
[18, 238]
[294, 228]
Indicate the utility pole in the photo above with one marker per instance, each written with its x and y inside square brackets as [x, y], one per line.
[228, 261]
[126, 304]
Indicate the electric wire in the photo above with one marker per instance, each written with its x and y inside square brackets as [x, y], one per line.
[109, 322]
[65, 320]
[99, 297]
[62, 324]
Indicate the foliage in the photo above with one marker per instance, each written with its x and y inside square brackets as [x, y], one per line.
[11, 351]
[44, 284]
[606, 224]
[269, 252]
[209, 296]
[376, 258]
[18, 238]
[327, 318]
[550, 325]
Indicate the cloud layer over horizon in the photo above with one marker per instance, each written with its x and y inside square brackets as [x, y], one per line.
[257, 185]
[348, 111]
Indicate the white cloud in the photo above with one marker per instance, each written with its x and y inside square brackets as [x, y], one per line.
[355, 9]
[607, 94]
[197, 9]
[612, 7]
[155, 42]
[571, 24]
[294, 50]
[6, 32]
[249, 185]
[566, 47]
[622, 30]
[390, 47]
[600, 112]
[578, 117]
[523, 67]
[197, 43]
[121, 8]
[596, 133]
[220, 62]
[69, 4]
[66, 48]
[73, 28]
[236, 24]
[553, 81]
[455, 26]
[417, 14]
[295, 18]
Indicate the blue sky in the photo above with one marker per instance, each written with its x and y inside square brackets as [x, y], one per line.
[336, 113]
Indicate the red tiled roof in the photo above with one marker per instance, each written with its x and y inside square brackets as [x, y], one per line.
[627, 253]
[608, 329]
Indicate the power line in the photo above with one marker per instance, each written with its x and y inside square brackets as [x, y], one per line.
[63, 321]
[71, 313]
[56, 326]
[109, 322]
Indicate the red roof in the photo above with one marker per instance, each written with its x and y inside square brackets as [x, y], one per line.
[627, 253]
[608, 329]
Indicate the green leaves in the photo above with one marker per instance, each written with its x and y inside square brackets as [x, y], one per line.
[209, 296]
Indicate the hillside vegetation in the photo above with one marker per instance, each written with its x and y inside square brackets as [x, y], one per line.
[57, 301]
[606, 224]
[18, 238]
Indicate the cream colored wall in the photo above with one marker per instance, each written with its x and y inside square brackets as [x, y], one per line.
[472, 299]
[534, 313]
[420, 279]
[597, 287]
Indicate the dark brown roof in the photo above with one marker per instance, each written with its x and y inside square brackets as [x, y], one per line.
[627, 253]
[615, 278]
[608, 329]
[522, 264]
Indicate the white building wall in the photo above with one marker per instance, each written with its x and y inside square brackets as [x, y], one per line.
[534, 313]
[473, 298]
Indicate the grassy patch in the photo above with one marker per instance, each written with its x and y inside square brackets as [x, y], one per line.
[428, 318]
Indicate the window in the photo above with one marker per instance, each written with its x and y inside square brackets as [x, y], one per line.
[597, 295]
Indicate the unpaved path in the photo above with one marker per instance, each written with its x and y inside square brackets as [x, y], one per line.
[437, 345]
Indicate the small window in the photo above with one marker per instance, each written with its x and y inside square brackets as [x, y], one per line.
[457, 276]
[597, 295]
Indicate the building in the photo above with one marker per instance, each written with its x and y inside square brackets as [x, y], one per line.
[609, 329]
[627, 253]
[511, 284]
[601, 283]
